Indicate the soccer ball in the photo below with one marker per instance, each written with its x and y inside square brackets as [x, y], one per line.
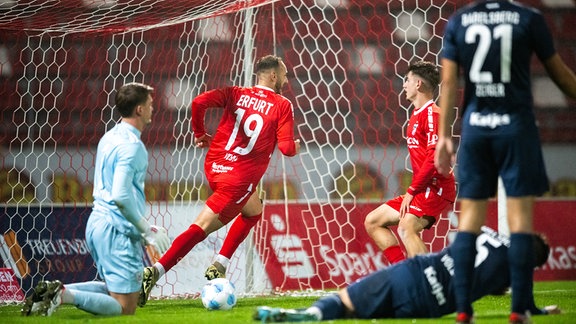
[219, 293]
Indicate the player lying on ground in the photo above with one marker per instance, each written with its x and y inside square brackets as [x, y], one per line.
[425, 291]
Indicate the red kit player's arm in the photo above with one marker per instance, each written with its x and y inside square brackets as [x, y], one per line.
[209, 99]
[427, 169]
[426, 173]
[285, 132]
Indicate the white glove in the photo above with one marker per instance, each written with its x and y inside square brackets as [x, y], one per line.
[157, 236]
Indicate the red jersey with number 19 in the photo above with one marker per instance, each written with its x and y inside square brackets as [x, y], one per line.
[254, 121]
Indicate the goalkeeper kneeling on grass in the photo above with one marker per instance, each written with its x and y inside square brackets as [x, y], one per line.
[116, 227]
[425, 291]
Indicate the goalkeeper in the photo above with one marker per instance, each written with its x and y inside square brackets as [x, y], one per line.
[116, 227]
[425, 289]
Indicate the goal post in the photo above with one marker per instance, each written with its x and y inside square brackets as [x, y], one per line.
[61, 61]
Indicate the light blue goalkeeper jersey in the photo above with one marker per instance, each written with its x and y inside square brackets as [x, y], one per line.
[120, 171]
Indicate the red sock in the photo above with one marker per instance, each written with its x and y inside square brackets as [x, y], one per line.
[237, 233]
[394, 254]
[181, 246]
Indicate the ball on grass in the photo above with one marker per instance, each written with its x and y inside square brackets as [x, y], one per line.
[219, 294]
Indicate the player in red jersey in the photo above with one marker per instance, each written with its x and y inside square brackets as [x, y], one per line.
[255, 120]
[429, 193]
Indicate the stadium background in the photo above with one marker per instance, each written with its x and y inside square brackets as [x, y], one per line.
[60, 62]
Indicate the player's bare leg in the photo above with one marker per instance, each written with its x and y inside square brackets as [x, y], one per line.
[376, 224]
[343, 293]
[208, 220]
[409, 229]
[472, 215]
[250, 214]
[520, 214]
[128, 302]
[253, 206]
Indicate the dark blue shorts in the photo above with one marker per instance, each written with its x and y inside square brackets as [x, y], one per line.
[386, 293]
[517, 159]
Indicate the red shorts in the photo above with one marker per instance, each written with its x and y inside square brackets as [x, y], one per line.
[227, 200]
[429, 206]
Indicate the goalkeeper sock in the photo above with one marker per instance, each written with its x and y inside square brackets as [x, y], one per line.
[331, 307]
[181, 246]
[90, 286]
[95, 303]
[394, 254]
[464, 254]
[237, 233]
[521, 260]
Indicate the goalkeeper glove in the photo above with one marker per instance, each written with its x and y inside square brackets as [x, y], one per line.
[157, 236]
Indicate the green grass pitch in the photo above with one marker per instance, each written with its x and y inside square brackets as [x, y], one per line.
[491, 309]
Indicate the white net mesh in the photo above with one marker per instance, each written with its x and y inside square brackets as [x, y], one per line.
[61, 61]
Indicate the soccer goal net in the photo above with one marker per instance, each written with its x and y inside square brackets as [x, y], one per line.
[61, 61]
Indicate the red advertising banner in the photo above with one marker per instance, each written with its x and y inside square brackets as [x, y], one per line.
[9, 288]
[555, 219]
[303, 246]
[306, 249]
[309, 249]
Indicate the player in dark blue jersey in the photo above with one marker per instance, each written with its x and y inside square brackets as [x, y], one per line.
[420, 287]
[492, 42]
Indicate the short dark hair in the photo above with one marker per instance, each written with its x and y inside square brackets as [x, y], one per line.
[541, 249]
[267, 62]
[427, 71]
[130, 95]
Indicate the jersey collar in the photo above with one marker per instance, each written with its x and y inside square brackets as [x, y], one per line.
[264, 87]
[131, 128]
[426, 105]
